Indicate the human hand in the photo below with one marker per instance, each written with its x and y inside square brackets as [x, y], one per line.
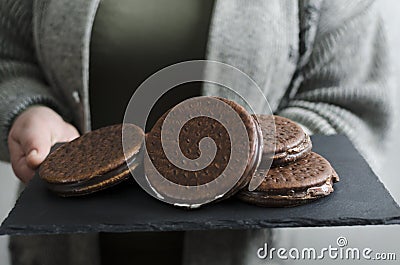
[32, 135]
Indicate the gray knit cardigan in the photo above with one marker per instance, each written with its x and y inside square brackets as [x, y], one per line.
[321, 63]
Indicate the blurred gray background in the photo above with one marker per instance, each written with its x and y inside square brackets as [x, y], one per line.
[378, 238]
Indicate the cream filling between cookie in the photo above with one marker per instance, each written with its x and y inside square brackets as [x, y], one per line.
[294, 150]
[322, 190]
[74, 187]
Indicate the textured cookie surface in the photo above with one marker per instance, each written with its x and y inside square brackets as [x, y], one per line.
[310, 171]
[284, 139]
[92, 155]
[192, 132]
[288, 134]
[255, 146]
[300, 182]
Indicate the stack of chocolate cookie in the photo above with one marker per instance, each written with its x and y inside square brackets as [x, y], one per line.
[273, 151]
[94, 161]
[297, 175]
[218, 180]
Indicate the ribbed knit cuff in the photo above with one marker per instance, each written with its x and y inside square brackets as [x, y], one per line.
[16, 95]
[310, 121]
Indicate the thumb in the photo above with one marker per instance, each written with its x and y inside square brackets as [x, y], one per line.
[37, 150]
[34, 158]
[39, 142]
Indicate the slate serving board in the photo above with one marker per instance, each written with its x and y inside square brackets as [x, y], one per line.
[359, 199]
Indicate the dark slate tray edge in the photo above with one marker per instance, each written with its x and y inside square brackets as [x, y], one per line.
[3, 228]
[184, 226]
[180, 226]
[373, 171]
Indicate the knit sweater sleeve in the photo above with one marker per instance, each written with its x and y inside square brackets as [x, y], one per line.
[343, 88]
[21, 80]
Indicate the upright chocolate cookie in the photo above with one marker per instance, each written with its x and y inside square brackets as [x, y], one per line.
[302, 181]
[194, 130]
[93, 161]
[291, 142]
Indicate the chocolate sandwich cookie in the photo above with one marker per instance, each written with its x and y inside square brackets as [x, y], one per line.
[300, 182]
[190, 136]
[291, 142]
[94, 161]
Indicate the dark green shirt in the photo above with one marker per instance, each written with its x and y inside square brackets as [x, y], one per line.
[131, 40]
